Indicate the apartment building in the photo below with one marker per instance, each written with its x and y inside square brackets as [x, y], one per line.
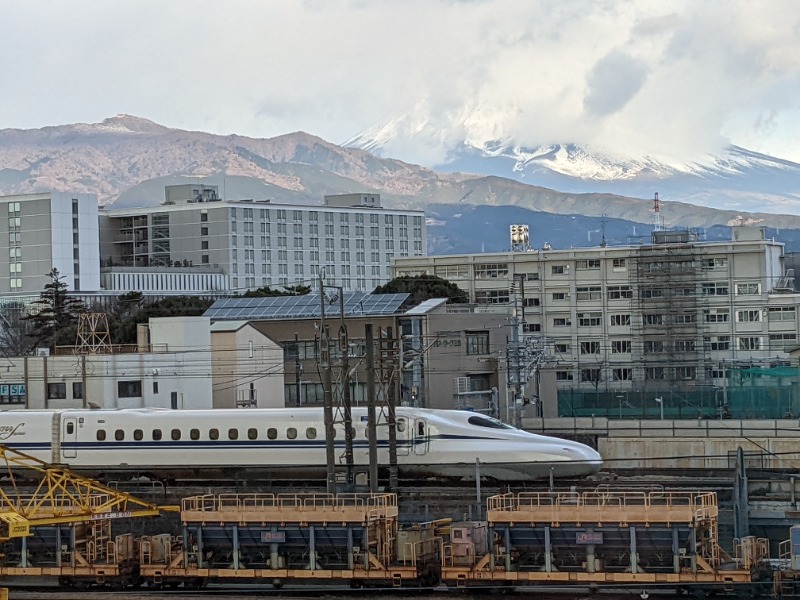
[672, 315]
[45, 231]
[257, 243]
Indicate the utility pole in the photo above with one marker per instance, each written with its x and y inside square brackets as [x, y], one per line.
[391, 396]
[344, 347]
[298, 369]
[325, 366]
[372, 428]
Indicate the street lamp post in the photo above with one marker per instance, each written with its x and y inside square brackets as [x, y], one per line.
[661, 406]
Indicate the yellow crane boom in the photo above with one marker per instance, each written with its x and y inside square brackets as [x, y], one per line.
[59, 496]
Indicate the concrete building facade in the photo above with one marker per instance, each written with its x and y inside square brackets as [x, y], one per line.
[673, 314]
[179, 363]
[46, 231]
[260, 243]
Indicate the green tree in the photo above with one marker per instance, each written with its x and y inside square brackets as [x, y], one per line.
[123, 329]
[423, 287]
[290, 290]
[54, 316]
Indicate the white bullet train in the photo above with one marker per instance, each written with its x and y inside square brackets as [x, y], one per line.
[206, 443]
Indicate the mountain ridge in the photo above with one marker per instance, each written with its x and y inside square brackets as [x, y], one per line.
[125, 159]
[735, 178]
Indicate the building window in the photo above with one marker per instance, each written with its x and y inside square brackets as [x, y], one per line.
[782, 313]
[590, 347]
[477, 342]
[748, 289]
[748, 316]
[557, 269]
[492, 297]
[780, 341]
[77, 390]
[561, 322]
[562, 347]
[651, 293]
[618, 264]
[620, 320]
[683, 319]
[587, 264]
[57, 391]
[750, 343]
[684, 346]
[653, 319]
[715, 264]
[620, 346]
[685, 372]
[491, 270]
[129, 389]
[560, 296]
[622, 374]
[715, 289]
[716, 315]
[654, 373]
[618, 292]
[719, 342]
[592, 292]
[590, 375]
[653, 347]
[563, 375]
[593, 319]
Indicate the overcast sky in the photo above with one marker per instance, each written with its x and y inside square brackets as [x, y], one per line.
[670, 79]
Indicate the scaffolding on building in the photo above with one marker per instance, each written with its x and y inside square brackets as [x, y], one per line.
[670, 367]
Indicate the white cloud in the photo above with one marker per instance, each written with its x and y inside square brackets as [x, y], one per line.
[675, 79]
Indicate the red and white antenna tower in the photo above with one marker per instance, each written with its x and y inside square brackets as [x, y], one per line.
[658, 218]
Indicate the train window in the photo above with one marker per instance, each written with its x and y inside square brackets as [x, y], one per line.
[70, 428]
[252, 433]
[291, 433]
[157, 434]
[487, 422]
[401, 425]
[233, 434]
[138, 434]
[119, 435]
[421, 428]
[194, 434]
[213, 434]
[311, 433]
[272, 433]
[101, 435]
[176, 434]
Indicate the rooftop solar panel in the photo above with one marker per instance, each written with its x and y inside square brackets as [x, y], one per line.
[285, 307]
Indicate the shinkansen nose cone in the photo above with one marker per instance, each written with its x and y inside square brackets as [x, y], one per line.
[586, 460]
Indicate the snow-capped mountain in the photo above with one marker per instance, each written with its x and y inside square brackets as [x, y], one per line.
[737, 179]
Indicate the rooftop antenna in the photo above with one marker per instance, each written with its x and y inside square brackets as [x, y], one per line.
[603, 220]
[658, 218]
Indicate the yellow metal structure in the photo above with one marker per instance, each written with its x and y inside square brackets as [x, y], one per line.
[58, 495]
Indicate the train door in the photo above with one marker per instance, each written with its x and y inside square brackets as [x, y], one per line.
[421, 438]
[404, 436]
[69, 437]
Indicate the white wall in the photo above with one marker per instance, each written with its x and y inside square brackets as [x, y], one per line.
[89, 238]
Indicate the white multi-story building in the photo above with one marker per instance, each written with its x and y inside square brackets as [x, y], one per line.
[260, 243]
[670, 315]
[46, 231]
